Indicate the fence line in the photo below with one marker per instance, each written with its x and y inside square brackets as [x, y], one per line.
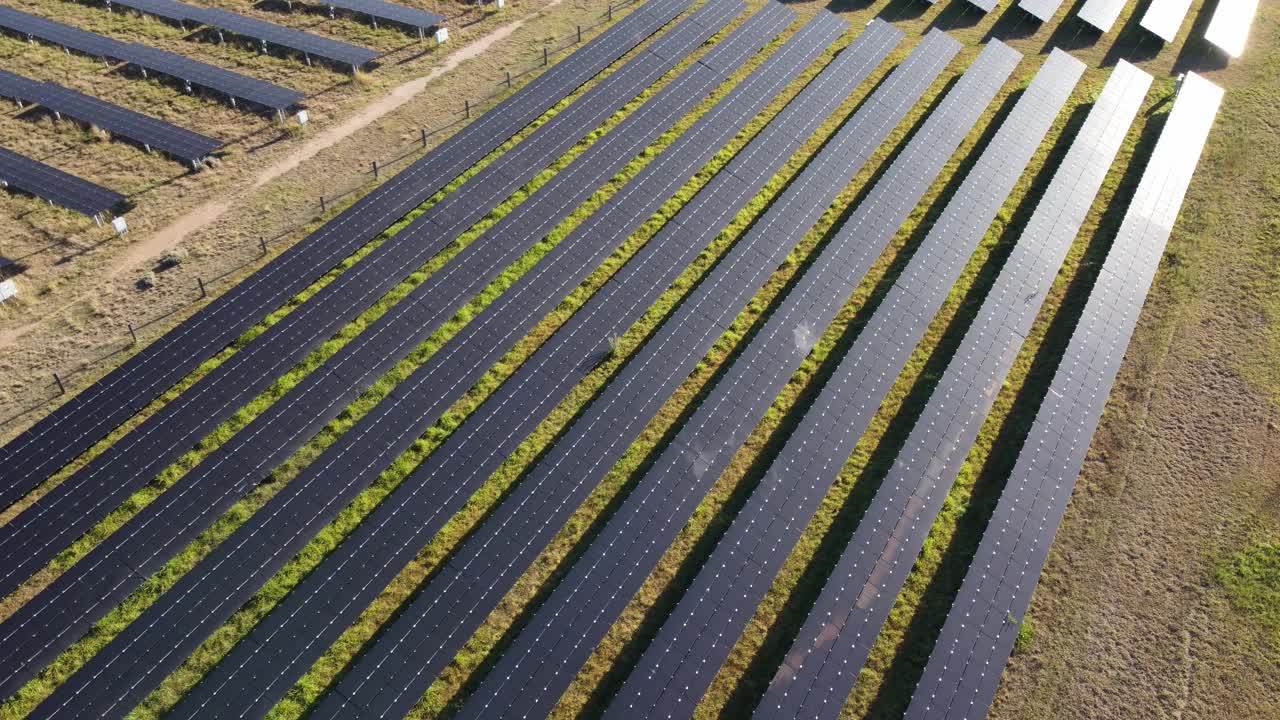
[56, 387]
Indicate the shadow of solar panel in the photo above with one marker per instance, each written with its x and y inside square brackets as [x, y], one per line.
[33, 177]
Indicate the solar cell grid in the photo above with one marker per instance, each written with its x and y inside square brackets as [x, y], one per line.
[212, 77]
[63, 434]
[304, 42]
[49, 183]
[963, 672]
[167, 9]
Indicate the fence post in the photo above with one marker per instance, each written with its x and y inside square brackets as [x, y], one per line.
[262, 243]
[322, 208]
[466, 108]
[200, 281]
[579, 34]
[508, 79]
[424, 137]
[375, 169]
[133, 334]
[610, 12]
[545, 57]
[61, 390]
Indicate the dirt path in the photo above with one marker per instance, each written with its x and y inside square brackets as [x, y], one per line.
[174, 233]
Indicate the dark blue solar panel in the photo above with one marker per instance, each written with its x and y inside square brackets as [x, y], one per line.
[304, 42]
[31, 176]
[390, 11]
[212, 77]
[58, 34]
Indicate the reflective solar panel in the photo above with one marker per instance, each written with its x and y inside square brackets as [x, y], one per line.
[151, 132]
[1102, 14]
[303, 42]
[412, 17]
[1164, 17]
[963, 671]
[1043, 10]
[49, 183]
[1229, 27]
[212, 77]
[167, 9]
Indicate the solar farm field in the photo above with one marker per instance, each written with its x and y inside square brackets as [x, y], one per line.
[753, 359]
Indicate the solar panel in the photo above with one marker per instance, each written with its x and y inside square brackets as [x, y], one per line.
[964, 669]
[412, 17]
[1102, 14]
[17, 87]
[1043, 10]
[150, 132]
[1229, 27]
[33, 177]
[985, 5]
[212, 77]
[1164, 17]
[303, 42]
[34, 26]
[167, 9]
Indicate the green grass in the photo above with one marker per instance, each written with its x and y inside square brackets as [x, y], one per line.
[1251, 580]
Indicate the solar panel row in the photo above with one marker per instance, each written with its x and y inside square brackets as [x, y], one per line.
[568, 626]
[963, 672]
[447, 610]
[1229, 27]
[1164, 17]
[88, 416]
[190, 71]
[51, 523]
[380, 9]
[854, 604]
[679, 664]
[94, 585]
[20, 172]
[150, 132]
[1102, 14]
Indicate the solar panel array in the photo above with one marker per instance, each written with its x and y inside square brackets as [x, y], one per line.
[412, 17]
[1164, 17]
[1102, 14]
[58, 517]
[89, 589]
[154, 133]
[963, 672]
[391, 535]
[1043, 10]
[168, 9]
[1229, 27]
[454, 603]
[166, 63]
[837, 637]
[49, 183]
[694, 640]
[76, 425]
[570, 624]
